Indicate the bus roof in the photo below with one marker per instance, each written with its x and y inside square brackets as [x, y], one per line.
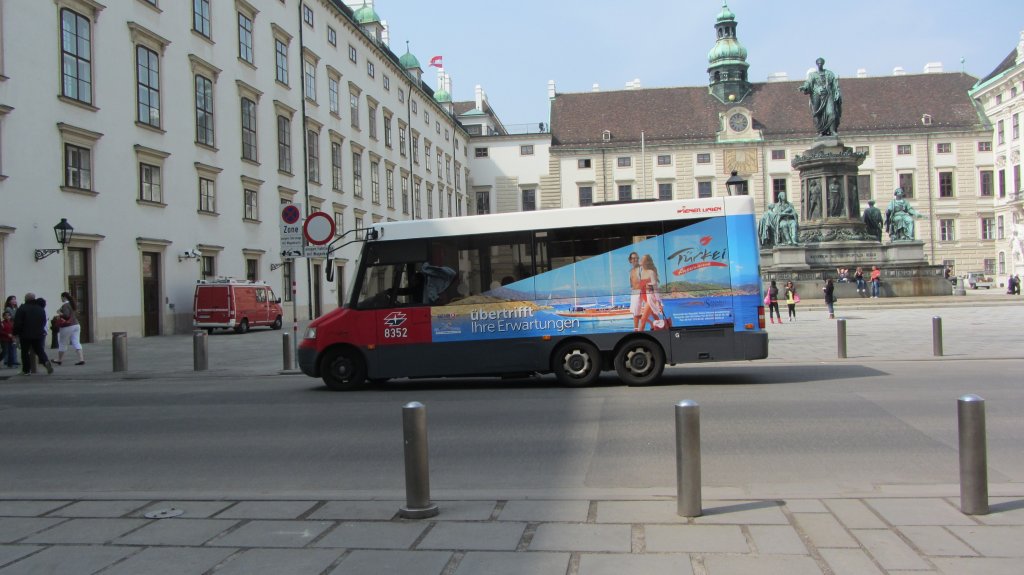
[567, 218]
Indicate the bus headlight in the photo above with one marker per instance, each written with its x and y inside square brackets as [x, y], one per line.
[310, 333]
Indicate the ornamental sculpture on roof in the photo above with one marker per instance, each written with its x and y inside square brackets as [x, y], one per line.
[826, 100]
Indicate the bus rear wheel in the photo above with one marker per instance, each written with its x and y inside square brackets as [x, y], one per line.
[343, 370]
[639, 361]
[576, 364]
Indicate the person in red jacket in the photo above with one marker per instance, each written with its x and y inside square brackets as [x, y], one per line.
[7, 340]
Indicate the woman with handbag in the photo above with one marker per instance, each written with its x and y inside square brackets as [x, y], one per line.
[69, 329]
[791, 300]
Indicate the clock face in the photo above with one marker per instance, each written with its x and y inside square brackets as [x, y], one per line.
[738, 122]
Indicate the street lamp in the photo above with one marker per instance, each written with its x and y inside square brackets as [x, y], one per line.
[63, 232]
[736, 185]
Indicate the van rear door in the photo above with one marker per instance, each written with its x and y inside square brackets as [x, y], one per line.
[212, 304]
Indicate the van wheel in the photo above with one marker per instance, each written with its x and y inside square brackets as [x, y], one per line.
[343, 370]
[276, 324]
[639, 361]
[242, 327]
[576, 363]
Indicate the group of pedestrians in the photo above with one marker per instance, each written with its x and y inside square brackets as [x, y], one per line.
[772, 299]
[874, 277]
[791, 297]
[25, 326]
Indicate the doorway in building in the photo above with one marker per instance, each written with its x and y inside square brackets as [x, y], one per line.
[150, 293]
[317, 270]
[78, 287]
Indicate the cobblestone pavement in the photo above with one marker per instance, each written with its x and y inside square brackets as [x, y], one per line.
[897, 530]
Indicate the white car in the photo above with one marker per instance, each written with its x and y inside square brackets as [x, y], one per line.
[975, 280]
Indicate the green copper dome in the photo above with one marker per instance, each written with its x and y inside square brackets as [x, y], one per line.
[408, 61]
[727, 49]
[726, 13]
[442, 96]
[366, 14]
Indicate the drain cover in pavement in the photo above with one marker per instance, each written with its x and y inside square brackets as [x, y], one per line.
[164, 513]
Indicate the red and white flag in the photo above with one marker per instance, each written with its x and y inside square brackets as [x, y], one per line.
[436, 62]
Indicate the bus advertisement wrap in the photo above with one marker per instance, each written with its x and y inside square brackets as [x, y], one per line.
[684, 278]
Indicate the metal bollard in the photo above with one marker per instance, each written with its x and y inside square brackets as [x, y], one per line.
[841, 337]
[199, 352]
[289, 354]
[970, 415]
[937, 336]
[688, 497]
[417, 468]
[120, 343]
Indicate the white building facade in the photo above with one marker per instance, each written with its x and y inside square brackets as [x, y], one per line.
[169, 133]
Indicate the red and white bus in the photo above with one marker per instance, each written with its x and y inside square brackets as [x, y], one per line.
[574, 292]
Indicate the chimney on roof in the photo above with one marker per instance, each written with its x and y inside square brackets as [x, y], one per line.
[385, 33]
[596, 87]
[478, 93]
[933, 68]
[862, 72]
[778, 77]
[551, 89]
[899, 71]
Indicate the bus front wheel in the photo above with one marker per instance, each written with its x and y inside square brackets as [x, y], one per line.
[343, 370]
[576, 364]
[639, 361]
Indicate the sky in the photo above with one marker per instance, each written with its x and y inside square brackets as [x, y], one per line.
[513, 48]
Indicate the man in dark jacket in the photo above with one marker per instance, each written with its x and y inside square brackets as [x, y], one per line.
[30, 328]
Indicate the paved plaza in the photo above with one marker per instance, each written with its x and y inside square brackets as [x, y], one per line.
[894, 529]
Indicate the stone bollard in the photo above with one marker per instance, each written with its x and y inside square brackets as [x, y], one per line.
[288, 350]
[200, 357]
[841, 337]
[417, 467]
[688, 488]
[937, 336]
[970, 415]
[119, 341]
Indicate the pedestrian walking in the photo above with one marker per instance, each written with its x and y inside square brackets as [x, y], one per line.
[792, 298]
[11, 307]
[773, 302]
[830, 299]
[7, 339]
[862, 284]
[876, 281]
[70, 330]
[30, 328]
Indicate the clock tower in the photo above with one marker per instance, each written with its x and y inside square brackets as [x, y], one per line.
[727, 61]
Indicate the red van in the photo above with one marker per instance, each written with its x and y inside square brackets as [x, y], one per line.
[227, 303]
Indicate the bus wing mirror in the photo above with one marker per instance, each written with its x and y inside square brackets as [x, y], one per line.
[329, 270]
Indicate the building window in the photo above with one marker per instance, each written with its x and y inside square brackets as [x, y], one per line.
[985, 146]
[903, 149]
[483, 202]
[148, 84]
[287, 273]
[387, 131]
[371, 71]
[907, 183]
[864, 187]
[704, 158]
[624, 162]
[339, 223]
[947, 232]
[77, 167]
[416, 149]
[248, 129]
[336, 174]
[401, 96]
[149, 183]
[204, 111]
[480, 152]
[866, 150]
[405, 194]
[778, 154]
[386, 80]
[704, 189]
[352, 55]
[284, 144]
[245, 38]
[76, 56]
[209, 266]
[313, 155]
[945, 184]
[1000, 228]
[583, 163]
[778, 187]
[625, 192]
[353, 105]
[309, 79]
[252, 207]
[375, 182]
[201, 17]
[529, 200]
[665, 191]
[401, 139]
[207, 195]
[389, 184]
[1002, 183]
[664, 160]
[332, 36]
[281, 61]
[1000, 135]
[1016, 182]
[988, 228]
[943, 148]
[251, 269]
[586, 196]
[307, 15]
[526, 150]
[985, 183]
[357, 174]
[333, 97]
[1015, 127]
[371, 120]
[989, 265]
